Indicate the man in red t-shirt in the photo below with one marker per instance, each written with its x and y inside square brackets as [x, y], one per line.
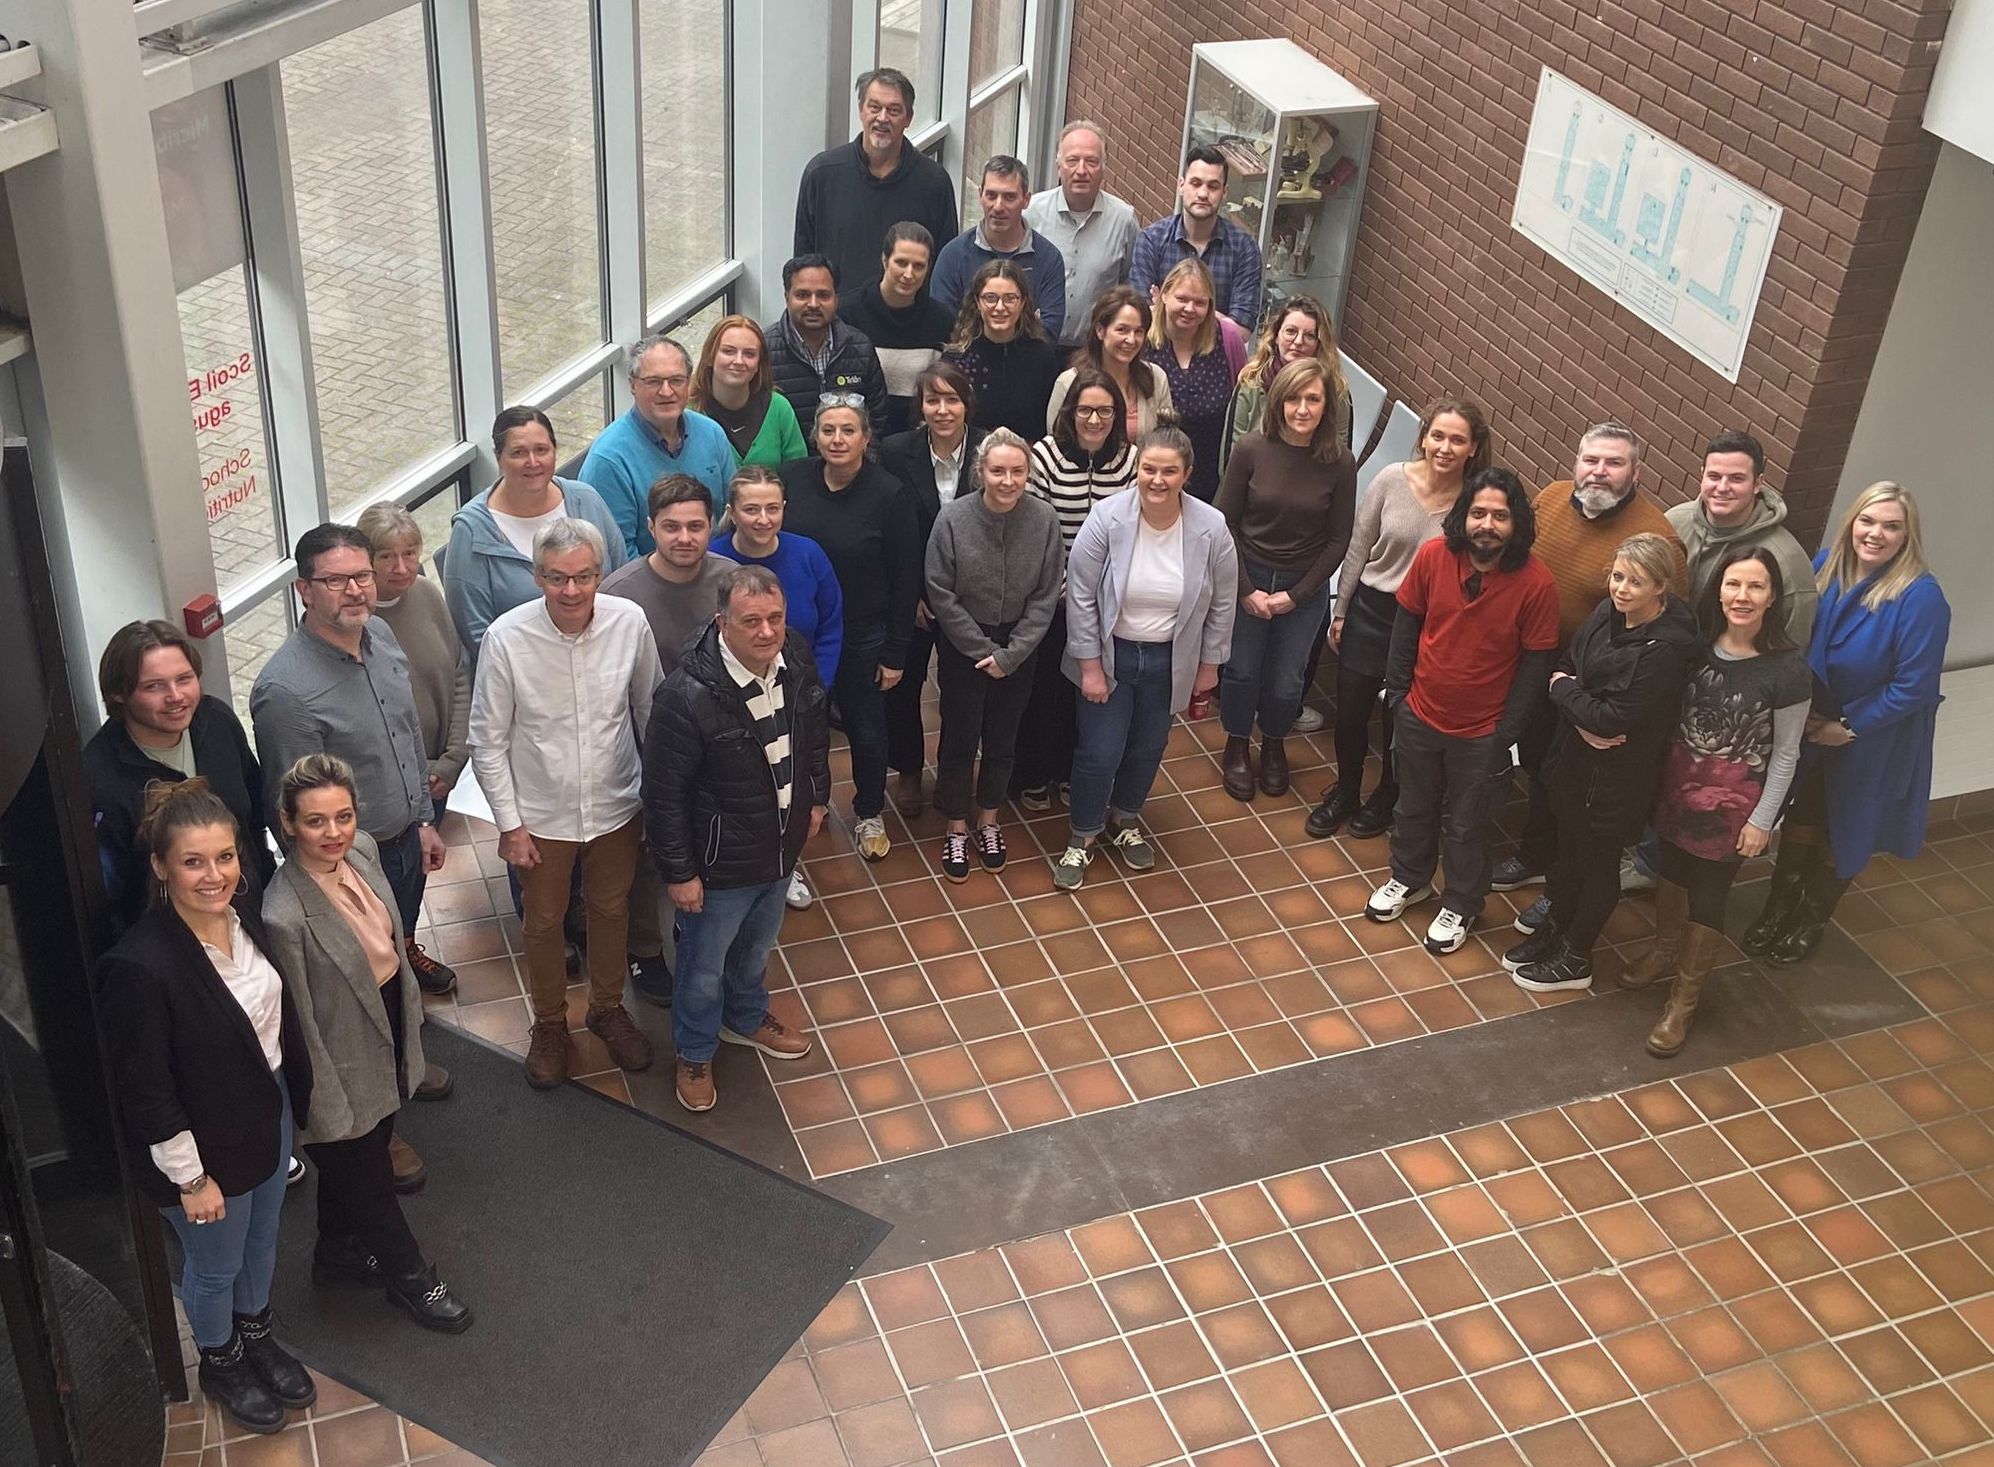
[1471, 657]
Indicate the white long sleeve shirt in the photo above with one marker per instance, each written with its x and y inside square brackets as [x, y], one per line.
[557, 721]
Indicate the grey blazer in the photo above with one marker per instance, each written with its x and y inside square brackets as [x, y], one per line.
[1097, 571]
[339, 1004]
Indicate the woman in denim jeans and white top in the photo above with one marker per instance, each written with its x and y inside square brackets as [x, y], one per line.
[1151, 588]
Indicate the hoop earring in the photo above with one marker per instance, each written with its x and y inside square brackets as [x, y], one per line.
[241, 885]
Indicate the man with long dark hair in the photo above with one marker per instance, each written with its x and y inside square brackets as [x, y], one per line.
[1471, 652]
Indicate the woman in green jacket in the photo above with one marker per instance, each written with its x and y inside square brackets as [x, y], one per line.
[1297, 328]
[733, 386]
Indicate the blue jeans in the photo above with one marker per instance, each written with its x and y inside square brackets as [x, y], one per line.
[863, 707]
[722, 972]
[401, 863]
[230, 1262]
[1265, 675]
[1121, 740]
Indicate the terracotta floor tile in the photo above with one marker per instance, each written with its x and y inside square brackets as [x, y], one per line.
[788, 1396]
[1543, 1320]
[840, 1147]
[1031, 1394]
[1823, 1378]
[1103, 1373]
[1173, 1355]
[930, 1352]
[1712, 1339]
[1033, 1102]
[1384, 1434]
[1141, 1298]
[1155, 1073]
[1453, 1416]
[955, 1412]
[1092, 1087]
[1375, 1301]
[1063, 1444]
[1205, 1414]
[1242, 1335]
[856, 1375]
[1003, 1335]
[881, 1434]
[1696, 1417]
[1412, 1357]
[901, 1133]
[1135, 1434]
[1402, 1231]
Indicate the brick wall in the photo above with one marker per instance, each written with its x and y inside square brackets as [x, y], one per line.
[1813, 102]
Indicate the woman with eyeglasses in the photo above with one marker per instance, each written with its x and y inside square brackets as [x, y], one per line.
[1117, 335]
[1184, 341]
[734, 385]
[937, 463]
[1298, 329]
[488, 562]
[1084, 459]
[1001, 346]
[1402, 509]
[1288, 497]
[862, 517]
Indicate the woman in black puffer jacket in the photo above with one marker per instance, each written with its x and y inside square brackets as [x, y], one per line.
[1617, 693]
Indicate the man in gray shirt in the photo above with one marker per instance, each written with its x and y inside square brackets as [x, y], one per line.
[677, 587]
[340, 685]
[1094, 230]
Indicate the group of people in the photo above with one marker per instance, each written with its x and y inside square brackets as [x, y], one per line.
[1041, 460]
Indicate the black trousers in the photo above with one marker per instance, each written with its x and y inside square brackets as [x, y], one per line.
[978, 710]
[1050, 731]
[1583, 879]
[1541, 845]
[1356, 701]
[1707, 882]
[906, 739]
[356, 1198]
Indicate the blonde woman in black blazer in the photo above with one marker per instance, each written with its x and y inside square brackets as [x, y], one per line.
[339, 939]
[211, 1073]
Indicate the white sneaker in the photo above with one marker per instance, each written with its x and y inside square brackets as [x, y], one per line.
[798, 897]
[1388, 902]
[1633, 878]
[1448, 931]
[869, 835]
[1308, 721]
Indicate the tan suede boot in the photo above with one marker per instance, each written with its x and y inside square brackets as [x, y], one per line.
[1700, 946]
[1659, 961]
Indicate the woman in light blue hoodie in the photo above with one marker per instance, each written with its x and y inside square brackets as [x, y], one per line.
[488, 563]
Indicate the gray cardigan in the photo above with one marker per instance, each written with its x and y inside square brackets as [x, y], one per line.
[339, 1005]
[1098, 569]
[987, 569]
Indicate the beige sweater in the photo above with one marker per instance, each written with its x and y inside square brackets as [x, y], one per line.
[421, 623]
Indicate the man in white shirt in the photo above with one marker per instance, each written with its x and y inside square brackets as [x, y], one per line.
[1093, 229]
[564, 686]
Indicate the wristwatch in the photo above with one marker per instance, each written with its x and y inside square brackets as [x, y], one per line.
[1845, 727]
[188, 1189]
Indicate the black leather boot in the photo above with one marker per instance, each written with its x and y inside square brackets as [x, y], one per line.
[288, 1381]
[1273, 766]
[429, 1301]
[1799, 851]
[346, 1262]
[1808, 926]
[228, 1379]
[1376, 816]
[1237, 765]
[1337, 806]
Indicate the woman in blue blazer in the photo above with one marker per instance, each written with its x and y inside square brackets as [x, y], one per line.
[1878, 648]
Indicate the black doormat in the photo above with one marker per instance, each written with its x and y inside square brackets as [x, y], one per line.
[632, 1284]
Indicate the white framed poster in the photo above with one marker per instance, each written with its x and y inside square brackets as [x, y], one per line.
[1681, 244]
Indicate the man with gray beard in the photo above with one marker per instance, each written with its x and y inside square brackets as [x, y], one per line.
[1581, 521]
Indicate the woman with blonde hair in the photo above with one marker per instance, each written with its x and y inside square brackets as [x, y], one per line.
[1117, 333]
[1184, 341]
[735, 386]
[1878, 647]
[1297, 329]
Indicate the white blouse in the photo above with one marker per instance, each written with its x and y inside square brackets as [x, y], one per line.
[1155, 589]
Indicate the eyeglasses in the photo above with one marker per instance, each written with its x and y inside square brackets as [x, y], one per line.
[338, 584]
[841, 400]
[1000, 302]
[1093, 412]
[581, 580]
[678, 382]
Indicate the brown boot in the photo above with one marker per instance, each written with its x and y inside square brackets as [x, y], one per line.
[694, 1084]
[626, 1043]
[1700, 946]
[1659, 961]
[1238, 766]
[547, 1054]
[410, 1173]
[1273, 767]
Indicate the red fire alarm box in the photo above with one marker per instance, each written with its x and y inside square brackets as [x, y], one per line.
[202, 615]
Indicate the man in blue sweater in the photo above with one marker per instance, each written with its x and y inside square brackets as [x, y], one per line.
[658, 436]
[1003, 234]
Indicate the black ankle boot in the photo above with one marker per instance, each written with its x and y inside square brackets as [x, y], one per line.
[345, 1261]
[429, 1301]
[1376, 816]
[1808, 926]
[1327, 818]
[228, 1379]
[1789, 882]
[288, 1381]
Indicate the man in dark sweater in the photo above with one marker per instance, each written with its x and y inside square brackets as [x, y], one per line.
[852, 194]
[812, 352]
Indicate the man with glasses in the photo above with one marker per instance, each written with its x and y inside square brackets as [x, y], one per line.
[564, 685]
[660, 435]
[340, 685]
[1093, 230]
[1004, 234]
[813, 354]
[852, 194]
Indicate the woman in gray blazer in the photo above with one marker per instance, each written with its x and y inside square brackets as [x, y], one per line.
[337, 938]
[1149, 605]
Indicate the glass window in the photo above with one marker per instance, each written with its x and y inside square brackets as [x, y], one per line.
[684, 57]
[910, 35]
[195, 146]
[540, 132]
[249, 638]
[691, 333]
[579, 416]
[365, 181]
[992, 129]
[996, 39]
[433, 517]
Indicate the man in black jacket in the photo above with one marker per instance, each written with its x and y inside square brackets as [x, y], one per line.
[812, 352]
[736, 778]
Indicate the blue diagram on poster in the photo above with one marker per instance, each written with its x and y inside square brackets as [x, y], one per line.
[1680, 243]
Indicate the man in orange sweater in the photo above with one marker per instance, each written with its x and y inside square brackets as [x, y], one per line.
[1581, 521]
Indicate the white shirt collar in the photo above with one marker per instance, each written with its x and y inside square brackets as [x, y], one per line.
[742, 674]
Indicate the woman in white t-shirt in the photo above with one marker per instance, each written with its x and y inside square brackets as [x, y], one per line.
[1149, 609]
[488, 564]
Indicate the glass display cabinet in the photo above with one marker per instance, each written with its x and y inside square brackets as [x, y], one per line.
[1298, 138]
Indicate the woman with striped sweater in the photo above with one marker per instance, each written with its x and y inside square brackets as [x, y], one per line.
[1085, 458]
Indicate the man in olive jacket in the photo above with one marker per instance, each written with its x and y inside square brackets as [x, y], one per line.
[736, 778]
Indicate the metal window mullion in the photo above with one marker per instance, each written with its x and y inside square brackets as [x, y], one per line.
[865, 44]
[1030, 57]
[620, 176]
[282, 316]
[464, 170]
[954, 110]
[1048, 85]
